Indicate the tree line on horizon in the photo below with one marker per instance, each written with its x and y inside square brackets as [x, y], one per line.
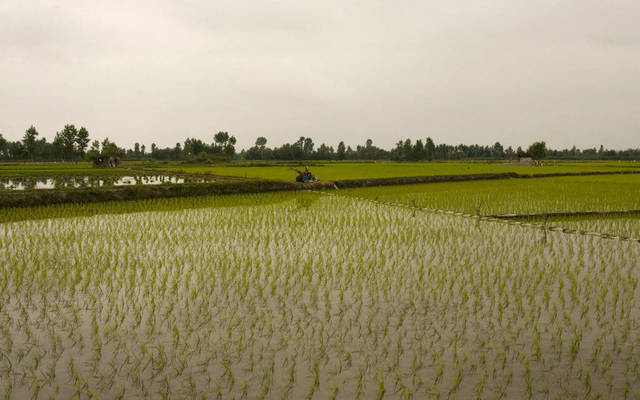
[74, 144]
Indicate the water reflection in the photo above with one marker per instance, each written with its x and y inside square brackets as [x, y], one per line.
[62, 182]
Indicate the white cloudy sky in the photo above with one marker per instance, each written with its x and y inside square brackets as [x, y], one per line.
[476, 71]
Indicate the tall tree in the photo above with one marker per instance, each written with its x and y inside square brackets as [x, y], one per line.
[220, 139]
[16, 150]
[29, 142]
[229, 148]
[4, 147]
[407, 149]
[498, 150]
[418, 150]
[193, 147]
[429, 149]
[307, 147]
[110, 149]
[82, 141]
[538, 150]
[94, 150]
[261, 142]
[67, 140]
[341, 151]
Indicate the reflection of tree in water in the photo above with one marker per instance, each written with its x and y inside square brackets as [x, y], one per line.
[95, 181]
[108, 181]
[29, 183]
[82, 182]
[44, 182]
[58, 183]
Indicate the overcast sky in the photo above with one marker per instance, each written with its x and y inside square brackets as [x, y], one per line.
[514, 71]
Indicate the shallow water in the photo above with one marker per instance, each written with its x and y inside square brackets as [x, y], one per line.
[374, 302]
[31, 183]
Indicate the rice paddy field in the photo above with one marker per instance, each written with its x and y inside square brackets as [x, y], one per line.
[388, 169]
[28, 169]
[307, 295]
[516, 196]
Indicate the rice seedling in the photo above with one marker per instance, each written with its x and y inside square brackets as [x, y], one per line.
[337, 299]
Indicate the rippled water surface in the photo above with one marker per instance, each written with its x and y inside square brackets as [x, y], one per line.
[29, 183]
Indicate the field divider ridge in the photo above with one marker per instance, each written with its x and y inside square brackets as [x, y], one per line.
[407, 180]
[489, 218]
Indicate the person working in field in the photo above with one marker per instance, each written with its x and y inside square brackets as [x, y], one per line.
[305, 176]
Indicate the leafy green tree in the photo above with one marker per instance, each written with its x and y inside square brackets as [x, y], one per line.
[498, 150]
[341, 151]
[538, 150]
[224, 143]
[418, 150]
[229, 148]
[58, 145]
[220, 139]
[193, 147]
[4, 147]
[29, 142]
[261, 142]
[307, 147]
[429, 149]
[65, 142]
[407, 149]
[509, 153]
[110, 149]
[94, 151]
[82, 141]
[16, 150]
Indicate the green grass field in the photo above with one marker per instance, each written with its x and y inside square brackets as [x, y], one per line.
[516, 196]
[387, 169]
[323, 170]
[68, 210]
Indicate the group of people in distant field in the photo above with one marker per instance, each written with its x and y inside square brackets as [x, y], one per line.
[110, 162]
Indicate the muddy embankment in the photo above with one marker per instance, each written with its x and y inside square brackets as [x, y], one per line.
[419, 179]
[567, 214]
[460, 178]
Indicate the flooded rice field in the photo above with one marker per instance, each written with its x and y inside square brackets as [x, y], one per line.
[330, 298]
[67, 182]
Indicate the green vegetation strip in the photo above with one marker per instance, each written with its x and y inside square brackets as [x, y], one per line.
[553, 215]
[516, 196]
[539, 226]
[70, 210]
[337, 171]
[30, 198]
[138, 192]
[469, 177]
